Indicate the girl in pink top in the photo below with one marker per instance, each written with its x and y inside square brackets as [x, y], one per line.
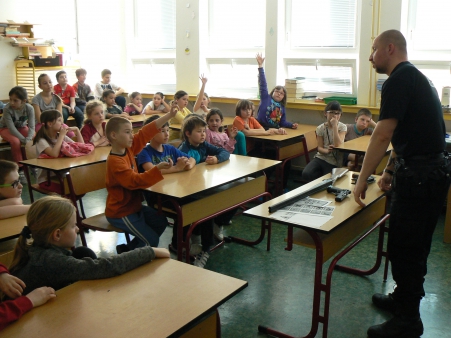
[135, 107]
[215, 135]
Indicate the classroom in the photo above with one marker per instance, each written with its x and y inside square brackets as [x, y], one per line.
[168, 46]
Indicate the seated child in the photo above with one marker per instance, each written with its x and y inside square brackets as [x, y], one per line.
[83, 92]
[158, 151]
[12, 287]
[363, 121]
[181, 100]
[11, 203]
[67, 95]
[157, 106]
[135, 107]
[202, 101]
[106, 84]
[330, 134]
[93, 130]
[112, 109]
[124, 208]
[194, 144]
[49, 140]
[271, 111]
[18, 121]
[48, 260]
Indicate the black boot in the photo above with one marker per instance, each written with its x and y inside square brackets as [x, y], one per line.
[397, 327]
[385, 302]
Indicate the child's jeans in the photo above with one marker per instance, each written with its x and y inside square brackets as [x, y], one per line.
[14, 142]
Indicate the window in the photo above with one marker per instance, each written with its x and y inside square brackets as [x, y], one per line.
[323, 76]
[154, 75]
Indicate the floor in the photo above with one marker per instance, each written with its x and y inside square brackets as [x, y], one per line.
[280, 287]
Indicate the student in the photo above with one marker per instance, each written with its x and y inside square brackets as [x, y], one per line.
[158, 151]
[46, 100]
[157, 106]
[202, 101]
[18, 121]
[48, 140]
[248, 124]
[135, 107]
[112, 109]
[181, 100]
[363, 125]
[124, 208]
[106, 84]
[52, 225]
[214, 134]
[93, 130]
[83, 92]
[194, 144]
[330, 134]
[11, 204]
[12, 287]
[67, 95]
[271, 111]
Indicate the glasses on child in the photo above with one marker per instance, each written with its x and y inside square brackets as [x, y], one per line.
[15, 184]
[335, 112]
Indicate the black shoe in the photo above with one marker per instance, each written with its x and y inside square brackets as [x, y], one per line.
[397, 327]
[122, 248]
[384, 302]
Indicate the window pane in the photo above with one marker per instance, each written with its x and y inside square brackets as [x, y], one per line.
[233, 80]
[323, 23]
[153, 77]
[432, 25]
[439, 75]
[323, 79]
[155, 24]
[237, 24]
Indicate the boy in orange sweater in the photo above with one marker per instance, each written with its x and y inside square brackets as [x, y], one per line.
[124, 208]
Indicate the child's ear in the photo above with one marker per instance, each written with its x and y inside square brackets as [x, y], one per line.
[56, 235]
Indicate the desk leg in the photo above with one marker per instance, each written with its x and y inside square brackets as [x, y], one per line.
[447, 238]
[326, 288]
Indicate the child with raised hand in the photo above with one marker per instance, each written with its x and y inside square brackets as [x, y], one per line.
[135, 107]
[124, 183]
[106, 84]
[93, 130]
[363, 125]
[157, 106]
[181, 101]
[11, 203]
[271, 111]
[330, 134]
[18, 121]
[49, 140]
[202, 101]
[67, 95]
[43, 255]
[194, 144]
[46, 100]
[12, 287]
[112, 109]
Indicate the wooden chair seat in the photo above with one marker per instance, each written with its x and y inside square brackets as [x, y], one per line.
[100, 223]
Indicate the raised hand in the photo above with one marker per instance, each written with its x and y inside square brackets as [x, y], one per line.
[260, 59]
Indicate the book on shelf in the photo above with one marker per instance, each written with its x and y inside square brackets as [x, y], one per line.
[295, 80]
[295, 90]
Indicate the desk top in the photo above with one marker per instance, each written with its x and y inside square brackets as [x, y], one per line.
[142, 117]
[99, 154]
[228, 120]
[291, 133]
[11, 227]
[358, 145]
[203, 177]
[147, 302]
[343, 211]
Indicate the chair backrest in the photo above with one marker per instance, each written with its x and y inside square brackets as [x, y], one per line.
[311, 140]
[7, 258]
[88, 178]
[30, 151]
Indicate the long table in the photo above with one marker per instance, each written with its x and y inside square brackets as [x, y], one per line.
[11, 227]
[331, 239]
[145, 302]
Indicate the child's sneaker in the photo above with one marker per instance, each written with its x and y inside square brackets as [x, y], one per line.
[217, 231]
[196, 246]
[201, 259]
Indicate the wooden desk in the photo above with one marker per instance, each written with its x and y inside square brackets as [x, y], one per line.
[145, 302]
[206, 191]
[11, 227]
[287, 147]
[358, 146]
[228, 121]
[349, 221]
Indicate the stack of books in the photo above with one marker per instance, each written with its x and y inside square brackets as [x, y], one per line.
[12, 31]
[295, 88]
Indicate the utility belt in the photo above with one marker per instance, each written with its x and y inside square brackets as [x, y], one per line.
[421, 168]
